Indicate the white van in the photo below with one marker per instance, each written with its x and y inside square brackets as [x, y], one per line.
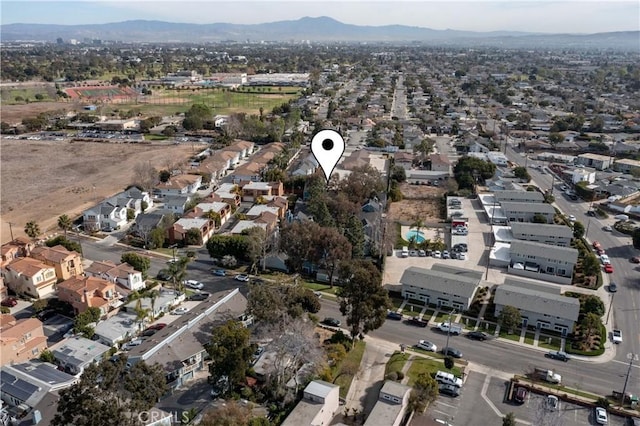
[454, 329]
[448, 379]
[405, 252]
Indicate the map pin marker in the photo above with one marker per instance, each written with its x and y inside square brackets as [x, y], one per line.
[327, 146]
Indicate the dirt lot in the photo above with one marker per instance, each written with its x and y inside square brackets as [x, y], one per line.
[42, 180]
[420, 201]
[13, 114]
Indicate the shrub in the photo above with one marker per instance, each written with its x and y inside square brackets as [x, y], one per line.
[392, 376]
[400, 375]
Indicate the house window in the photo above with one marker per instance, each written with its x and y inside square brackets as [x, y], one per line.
[35, 351]
[562, 272]
[550, 269]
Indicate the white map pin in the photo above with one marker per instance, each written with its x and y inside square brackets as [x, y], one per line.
[327, 146]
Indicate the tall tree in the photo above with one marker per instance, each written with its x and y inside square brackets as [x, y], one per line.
[333, 248]
[139, 262]
[509, 318]
[256, 245]
[578, 230]
[362, 298]
[231, 352]
[65, 223]
[362, 183]
[354, 231]
[32, 229]
[590, 324]
[425, 391]
[178, 272]
[509, 420]
[296, 240]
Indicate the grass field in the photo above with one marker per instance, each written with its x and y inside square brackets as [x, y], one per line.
[9, 95]
[351, 363]
[396, 363]
[429, 366]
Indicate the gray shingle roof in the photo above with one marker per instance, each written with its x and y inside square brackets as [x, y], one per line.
[533, 300]
[509, 206]
[519, 195]
[443, 282]
[541, 230]
[456, 270]
[544, 251]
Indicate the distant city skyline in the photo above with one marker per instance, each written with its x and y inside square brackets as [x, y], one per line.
[543, 16]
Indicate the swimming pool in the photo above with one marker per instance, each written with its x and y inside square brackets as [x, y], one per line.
[416, 236]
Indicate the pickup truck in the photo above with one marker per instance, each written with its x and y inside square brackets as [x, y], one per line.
[418, 322]
[454, 329]
[548, 375]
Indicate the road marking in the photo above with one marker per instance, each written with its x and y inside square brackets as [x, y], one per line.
[624, 363]
[485, 386]
[447, 405]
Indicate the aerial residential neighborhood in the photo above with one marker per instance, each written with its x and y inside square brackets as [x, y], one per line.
[180, 256]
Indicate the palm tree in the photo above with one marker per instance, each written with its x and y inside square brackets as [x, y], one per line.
[65, 223]
[153, 295]
[418, 224]
[141, 313]
[178, 273]
[32, 229]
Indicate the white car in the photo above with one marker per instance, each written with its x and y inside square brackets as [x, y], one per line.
[604, 259]
[462, 256]
[193, 284]
[601, 416]
[553, 403]
[572, 218]
[607, 228]
[180, 311]
[427, 346]
[437, 254]
[617, 336]
[132, 344]
[242, 277]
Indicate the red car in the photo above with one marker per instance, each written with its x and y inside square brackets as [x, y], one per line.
[158, 326]
[10, 302]
[596, 245]
[608, 268]
[600, 252]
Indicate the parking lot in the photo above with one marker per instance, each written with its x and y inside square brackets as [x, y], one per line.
[482, 402]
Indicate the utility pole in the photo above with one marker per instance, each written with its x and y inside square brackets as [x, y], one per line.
[610, 307]
[626, 380]
[449, 329]
[11, 229]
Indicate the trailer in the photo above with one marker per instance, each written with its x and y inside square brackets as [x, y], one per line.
[548, 375]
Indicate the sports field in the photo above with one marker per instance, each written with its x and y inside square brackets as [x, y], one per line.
[100, 92]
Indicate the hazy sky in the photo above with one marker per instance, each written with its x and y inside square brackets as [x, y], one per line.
[560, 16]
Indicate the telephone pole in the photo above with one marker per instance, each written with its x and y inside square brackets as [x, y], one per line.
[11, 229]
[626, 380]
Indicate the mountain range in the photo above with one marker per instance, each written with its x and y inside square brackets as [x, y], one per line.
[321, 29]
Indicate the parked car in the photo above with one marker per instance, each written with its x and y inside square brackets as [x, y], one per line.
[413, 253]
[10, 302]
[132, 344]
[427, 346]
[635, 259]
[199, 296]
[422, 253]
[520, 395]
[46, 314]
[449, 351]
[418, 322]
[164, 275]
[616, 336]
[604, 259]
[601, 416]
[437, 254]
[242, 277]
[572, 218]
[445, 254]
[180, 311]
[607, 228]
[149, 332]
[220, 272]
[477, 335]
[158, 326]
[394, 315]
[559, 355]
[462, 256]
[450, 390]
[613, 287]
[332, 322]
[194, 284]
[608, 268]
[553, 403]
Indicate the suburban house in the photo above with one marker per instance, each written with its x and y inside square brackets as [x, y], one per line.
[404, 160]
[540, 305]
[255, 211]
[518, 196]
[117, 328]
[165, 302]
[525, 212]
[86, 292]
[19, 247]
[221, 208]
[179, 347]
[597, 161]
[30, 277]
[627, 165]
[556, 235]
[146, 222]
[542, 261]
[231, 155]
[66, 263]
[249, 171]
[228, 193]
[319, 404]
[391, 405]
[307, 167]
[267, 220]
[123, 274]
[252, 191]
[179, 185]
[179, 230]
[176, 204]
[443, 286]
[245, 148]
[72, 355]
[20, 340]
[440, 163]
[281, 203]
[4, 291]
[104, 215]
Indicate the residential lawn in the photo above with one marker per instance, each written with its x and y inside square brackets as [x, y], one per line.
[413, 313]
[528, 338]
[443, 316]
[429, 366]
[325, 288]
[554, 345]
[469, 324]
[396, 362]
[351, 363]
[397, 302]
[515, 336]
[149, 137]
[437, 355]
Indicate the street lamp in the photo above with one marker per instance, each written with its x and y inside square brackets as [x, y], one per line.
[449, 328]
[174, 251]
[610, 306]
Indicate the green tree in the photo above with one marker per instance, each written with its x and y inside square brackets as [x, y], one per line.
[591, 324]
[448, 362]
[164, 176]
[47, 356]
[590, 265]
[62, 241]
[425, 391]
[509, 420]
[157, 237]
[82, 322]
[65, 223]
[139, 262]
[178, 272]
[509, 318]
[539, 218]
[354, 231]
[362, 298]
[32, 229]
[521, 173]
[231, 351]
[578, 230]
[131, 214]
[257, 241]
[592, 304]
[333, 248]
[40, 305]
[193, 237]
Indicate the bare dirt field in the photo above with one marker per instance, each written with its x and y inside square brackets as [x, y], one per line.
[14, 114]
[42, 180]
[419, 202]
